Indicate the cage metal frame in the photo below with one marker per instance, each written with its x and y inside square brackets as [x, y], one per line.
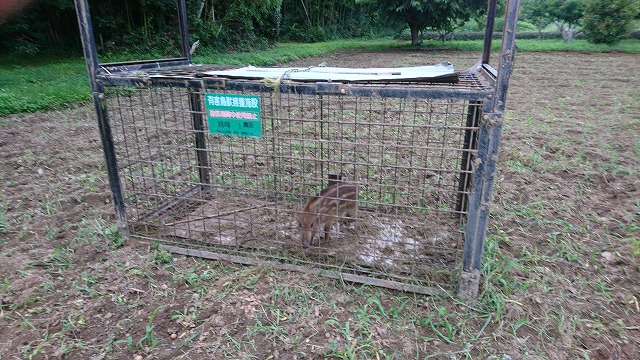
[489, 94]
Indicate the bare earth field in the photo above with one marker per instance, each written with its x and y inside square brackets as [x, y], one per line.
[561, 277]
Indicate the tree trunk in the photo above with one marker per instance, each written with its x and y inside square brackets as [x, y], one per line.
[539, 31]
[415, 39]
[567, 34]
[306, 12]
[201, 8]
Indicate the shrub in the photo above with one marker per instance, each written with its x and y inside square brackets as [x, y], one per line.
[526, 26]
[608, 21]
[304, 33]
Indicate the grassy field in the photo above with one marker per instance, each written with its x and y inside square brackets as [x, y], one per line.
[560, 273]
[36, 84]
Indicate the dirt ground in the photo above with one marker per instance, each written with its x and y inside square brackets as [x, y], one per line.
[561, 276]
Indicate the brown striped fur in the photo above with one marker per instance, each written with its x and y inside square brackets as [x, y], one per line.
[337, 200]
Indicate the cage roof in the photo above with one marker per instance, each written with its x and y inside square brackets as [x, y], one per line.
[439, 72]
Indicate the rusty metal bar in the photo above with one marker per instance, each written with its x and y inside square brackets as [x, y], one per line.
[484, 172]
[488, 31]
[184, 30]
[97, 92]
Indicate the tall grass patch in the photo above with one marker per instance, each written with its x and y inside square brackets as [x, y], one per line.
[28, 86]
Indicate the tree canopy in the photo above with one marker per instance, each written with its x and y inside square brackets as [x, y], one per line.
[151, 26]
[141, 25]
[606, 21]
[439, 15]
[535, 11]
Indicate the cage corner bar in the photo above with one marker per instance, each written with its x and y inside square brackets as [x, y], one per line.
[422, 156]
[489, 143]
[97, 94]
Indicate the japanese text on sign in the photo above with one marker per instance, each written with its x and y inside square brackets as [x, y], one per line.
[231, 114]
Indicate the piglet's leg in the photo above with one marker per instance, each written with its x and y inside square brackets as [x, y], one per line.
[327, 226]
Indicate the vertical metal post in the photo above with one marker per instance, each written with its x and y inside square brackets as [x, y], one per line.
[195, 102]
[324, 158]
[470, 144]
[97, 91]
[488, 31]
[184, 29]
[485, 166]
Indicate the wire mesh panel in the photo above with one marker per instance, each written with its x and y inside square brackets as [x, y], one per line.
[406, 159]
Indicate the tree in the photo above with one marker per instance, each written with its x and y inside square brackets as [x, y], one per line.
[317, 20]
[38, 25]
[535, 11]
[247, 23]
[441, 15]
[567, 14]
[607, 21]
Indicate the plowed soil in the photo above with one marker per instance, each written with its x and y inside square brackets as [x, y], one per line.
[561, 278]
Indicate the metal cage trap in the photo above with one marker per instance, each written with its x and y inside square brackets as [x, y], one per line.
[222, 166]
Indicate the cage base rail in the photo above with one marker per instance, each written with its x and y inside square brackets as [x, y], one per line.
[395, 285]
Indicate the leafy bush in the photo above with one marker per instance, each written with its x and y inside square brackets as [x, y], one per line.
[526, 26]
[608, 21]
[239, 25]
[304, 33]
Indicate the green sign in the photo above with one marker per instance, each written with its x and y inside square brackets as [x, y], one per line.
[231, 114]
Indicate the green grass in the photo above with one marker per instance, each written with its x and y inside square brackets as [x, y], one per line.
[286, 52]
[4, 222]
[35, 85]
[629, 46]
[39, 84]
